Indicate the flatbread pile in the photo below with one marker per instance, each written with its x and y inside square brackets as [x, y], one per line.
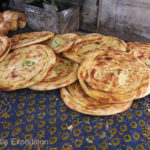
[87, 44]
[114, 77]
[97, 74]
[140, 50]
[76, 99]
[62, 43]
[63, 74]
[25, 67]
[5, 45]
[26, 39]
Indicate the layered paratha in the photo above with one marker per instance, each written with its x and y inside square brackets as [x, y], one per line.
[63, 74]
[25, 39]
[89, 43]
[61, 43]
[5, 45]
[114, 77]
[76, 99]
[25, 67]
[140, 50]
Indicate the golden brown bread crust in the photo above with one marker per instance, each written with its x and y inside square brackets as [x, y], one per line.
[1, 17]
[4, 27]
[21, 23]
[5, 43]
[140, 50]
[61, 43]
[21, 19]
[12, 18]
[25, 67]
[63, 74]
[114, 77]
[26, 39]
[89, 43]
[76, 99]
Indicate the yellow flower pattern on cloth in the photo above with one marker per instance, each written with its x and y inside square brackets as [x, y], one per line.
[42, 117]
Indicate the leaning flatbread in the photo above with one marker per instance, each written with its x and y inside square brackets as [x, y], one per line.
[114, 77]
[63, 74]
[25, 39]
[140, 50]
[76, 99]
[89, 43]
[5, 44]
[63, 42]
[25, 67]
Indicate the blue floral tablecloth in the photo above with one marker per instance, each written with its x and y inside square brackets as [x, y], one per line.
[40, 120]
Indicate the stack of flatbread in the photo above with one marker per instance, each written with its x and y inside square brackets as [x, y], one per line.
[97, 74]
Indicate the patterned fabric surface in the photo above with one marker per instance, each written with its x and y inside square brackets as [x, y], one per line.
[40, 120]
[32, 120]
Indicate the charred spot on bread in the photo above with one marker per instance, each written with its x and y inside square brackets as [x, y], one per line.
[93, 72]
[86, 84]
[108, 58]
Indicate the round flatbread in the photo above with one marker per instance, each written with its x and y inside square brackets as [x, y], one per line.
[76, 99]
[61, 43]
[89, 43]
[5, 45]
[25, 39]
[140, 50]
[63, 74]
[114, 77]
[25, 67]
